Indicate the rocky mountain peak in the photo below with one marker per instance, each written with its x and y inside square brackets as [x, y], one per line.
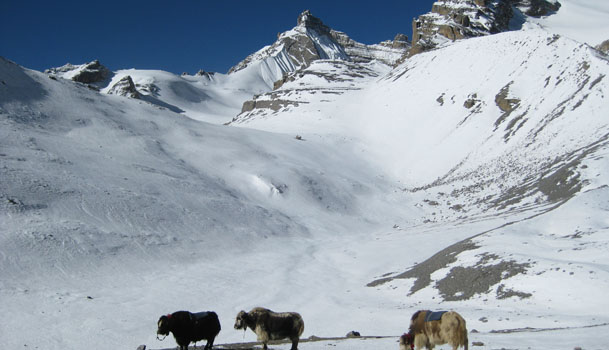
[307, 20]
[400, 41]
[312, 40]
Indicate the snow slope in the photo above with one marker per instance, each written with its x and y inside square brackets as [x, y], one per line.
[212, 98]
[102, 193]
[455, 181]
[448, 119]
[581, 20]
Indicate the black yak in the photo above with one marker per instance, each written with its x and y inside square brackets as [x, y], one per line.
[190, 328]
[269, 325]
[428, 329]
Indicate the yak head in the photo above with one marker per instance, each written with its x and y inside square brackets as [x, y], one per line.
[241, 320]
[407, 341]
[164, 325]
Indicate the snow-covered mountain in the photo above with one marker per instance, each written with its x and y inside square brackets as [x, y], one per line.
[217, 98]
[472, 176]
[312, 40]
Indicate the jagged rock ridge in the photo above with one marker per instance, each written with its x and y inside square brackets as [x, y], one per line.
[312, 40]
[451, 20]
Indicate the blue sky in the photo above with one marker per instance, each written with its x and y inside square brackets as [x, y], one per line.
[179, 35]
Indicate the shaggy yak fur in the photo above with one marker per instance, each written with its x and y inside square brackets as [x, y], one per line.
[269, 325]
[450, 328]
[190, 328]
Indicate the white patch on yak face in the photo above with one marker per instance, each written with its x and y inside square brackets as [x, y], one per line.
[162, 327]
[239, 323]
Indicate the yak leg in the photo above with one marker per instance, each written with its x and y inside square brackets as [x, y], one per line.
[421, 341]
[210, 343]
[294, 344]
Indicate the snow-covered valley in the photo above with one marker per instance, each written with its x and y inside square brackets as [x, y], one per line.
[471, 177]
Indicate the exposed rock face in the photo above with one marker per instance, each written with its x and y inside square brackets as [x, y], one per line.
[388, 51]
[68, 67]
[505, 104]
[314, 84]
[604, 47]
[538, 8]
[451, 20]
[297, 48]
[92, 73]
[208, 75]
[306, 19]
[274, 103]
[313, 52]
[88, 73]
[312, 40]
[400, 42]
[124, 87]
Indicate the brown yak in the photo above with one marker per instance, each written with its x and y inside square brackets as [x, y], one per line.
[269, 325]
[428, 329]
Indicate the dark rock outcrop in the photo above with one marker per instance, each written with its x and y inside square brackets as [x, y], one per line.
[451, 20]
[88, 73]
[124, 87]
[92, 72]
[307, 20]
[388, 51]
[538, 8]
[202, 73]
[400, 42]
[272, 104]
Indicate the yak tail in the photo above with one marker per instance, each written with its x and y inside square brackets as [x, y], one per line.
[459, 332]
[300, 327]
[463, 333]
